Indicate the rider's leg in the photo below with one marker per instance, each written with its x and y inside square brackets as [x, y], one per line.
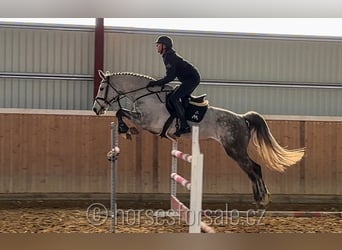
[184, 126]
[176, 99]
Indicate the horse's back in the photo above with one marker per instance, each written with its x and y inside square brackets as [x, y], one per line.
[219, 122]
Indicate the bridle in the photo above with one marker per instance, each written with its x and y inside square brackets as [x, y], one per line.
[119, 94]
[104, 99]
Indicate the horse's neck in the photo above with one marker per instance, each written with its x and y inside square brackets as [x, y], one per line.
[133, 86]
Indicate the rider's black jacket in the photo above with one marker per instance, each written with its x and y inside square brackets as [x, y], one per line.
[176, 66]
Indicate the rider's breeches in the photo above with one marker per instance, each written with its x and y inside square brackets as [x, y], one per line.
[184, 90]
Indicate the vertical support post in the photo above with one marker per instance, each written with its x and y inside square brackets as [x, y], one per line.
[196, 183]
[99, 53]
[174, 170]
[113, 161]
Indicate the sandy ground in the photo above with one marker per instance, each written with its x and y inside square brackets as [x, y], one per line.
[85, 217]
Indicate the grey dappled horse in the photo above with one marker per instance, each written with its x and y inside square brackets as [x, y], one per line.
[233, 131]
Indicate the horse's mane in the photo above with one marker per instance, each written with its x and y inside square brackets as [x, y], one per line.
[129, 74]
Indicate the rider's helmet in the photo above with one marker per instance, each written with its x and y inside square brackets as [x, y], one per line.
[166, 40]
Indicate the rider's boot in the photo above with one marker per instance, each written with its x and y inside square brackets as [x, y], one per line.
[184, 126]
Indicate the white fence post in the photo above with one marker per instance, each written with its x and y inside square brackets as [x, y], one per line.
[196, 183]
[113, 161]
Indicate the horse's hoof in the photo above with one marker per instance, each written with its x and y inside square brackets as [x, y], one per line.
[264, 202]
[267, 198]
[134, 131]
[122, 128]
[261, 205]
[128, 136]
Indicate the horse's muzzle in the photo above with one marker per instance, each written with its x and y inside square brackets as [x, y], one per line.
[97, 112]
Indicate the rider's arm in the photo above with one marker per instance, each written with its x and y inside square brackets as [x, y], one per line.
[171, 72]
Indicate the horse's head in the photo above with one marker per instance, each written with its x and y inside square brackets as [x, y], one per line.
[106, 94]
[117, 85]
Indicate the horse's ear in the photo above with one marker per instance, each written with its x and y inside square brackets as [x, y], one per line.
[101, 74]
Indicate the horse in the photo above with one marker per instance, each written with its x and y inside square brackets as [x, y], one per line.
[233, 131]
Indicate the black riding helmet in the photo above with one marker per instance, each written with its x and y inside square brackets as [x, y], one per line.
[166, 40]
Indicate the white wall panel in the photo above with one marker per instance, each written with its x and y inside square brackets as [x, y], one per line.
[230, 58]
[133, 52]
[46, 51]
[220, 58]
[275, 100]
[46, 94]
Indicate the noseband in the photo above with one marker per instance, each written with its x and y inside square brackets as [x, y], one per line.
[104, 99]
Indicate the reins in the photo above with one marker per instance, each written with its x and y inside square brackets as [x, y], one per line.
[154, 92]
[120, 95]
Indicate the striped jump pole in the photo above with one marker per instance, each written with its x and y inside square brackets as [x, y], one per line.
[181, 180]
[191, 216]
[181, 155]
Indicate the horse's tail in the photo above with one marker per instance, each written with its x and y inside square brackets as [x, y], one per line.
[275, 156]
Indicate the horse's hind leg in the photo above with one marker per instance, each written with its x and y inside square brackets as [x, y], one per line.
[253, 171]
[260, 191]
[261, 194]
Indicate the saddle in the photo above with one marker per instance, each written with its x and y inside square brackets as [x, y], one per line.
[195, 108]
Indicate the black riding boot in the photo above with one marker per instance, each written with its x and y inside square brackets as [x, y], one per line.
[184, 128]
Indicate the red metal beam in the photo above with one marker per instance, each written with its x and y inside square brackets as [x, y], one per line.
[99, 53]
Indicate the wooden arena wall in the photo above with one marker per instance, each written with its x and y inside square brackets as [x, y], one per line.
[64, 152]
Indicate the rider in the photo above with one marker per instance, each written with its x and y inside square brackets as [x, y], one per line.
[186, 73]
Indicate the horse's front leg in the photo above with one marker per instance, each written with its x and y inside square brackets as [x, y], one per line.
[122, 127]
